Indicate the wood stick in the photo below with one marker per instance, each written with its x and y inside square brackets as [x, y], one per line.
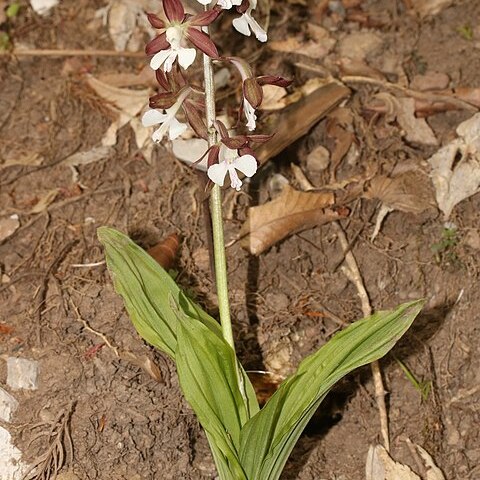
[352, 272]
[33, 52]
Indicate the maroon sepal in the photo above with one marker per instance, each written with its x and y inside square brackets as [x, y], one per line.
[259, 138]
[235, 143]
[202, 41]
[253, 92]
[274, 80]
[205, 18]
[162, 79]
[158, 44]
[174, 10]
[155, 21]
[221, 129]
[247, 151]
[213, 155]
[195, 119]
[162, 100]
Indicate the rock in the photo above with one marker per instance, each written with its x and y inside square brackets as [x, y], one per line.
[22, 373]
[359, 45]
[11, 465]
[8, 405]
[42, 7]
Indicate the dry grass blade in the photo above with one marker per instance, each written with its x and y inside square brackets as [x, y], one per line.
[291, 212]
[59, 452]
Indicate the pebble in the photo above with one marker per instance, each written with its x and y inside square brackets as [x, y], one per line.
[8, 405]
[11, 465]
[318, 159]
[22, 373]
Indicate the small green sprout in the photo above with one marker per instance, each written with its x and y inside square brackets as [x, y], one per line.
[423, 386]
[466, 31]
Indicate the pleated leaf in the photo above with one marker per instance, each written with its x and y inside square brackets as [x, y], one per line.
[151, 296]
[269, 437]
[209, 376]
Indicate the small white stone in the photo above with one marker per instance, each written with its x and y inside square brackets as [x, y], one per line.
[42, 7]
[11, 465]
[22, 373]
[8, 405]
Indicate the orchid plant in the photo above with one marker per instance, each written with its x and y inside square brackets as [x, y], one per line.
[247, 443]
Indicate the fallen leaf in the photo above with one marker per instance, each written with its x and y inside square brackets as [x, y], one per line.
[45, 201]
[190, 150]
[291, 212]
[8, 226]
[402, 110]
[273, 98]
[6, 329]
[380, 466]
[165, 251]
[429, 7]
[456, 167]
[433, 472]
[125, 103]
[430, 81]
[85, 158]
[144, 362]
[127, 22]
[408, 192]
[309, 48]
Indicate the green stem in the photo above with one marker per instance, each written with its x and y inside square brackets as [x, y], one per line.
[216, 212]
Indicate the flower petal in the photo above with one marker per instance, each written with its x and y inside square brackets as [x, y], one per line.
[174, 10]
[203, 42]
[186, 56]
[241, 25]
[153, 117]
[176, 129]
[167, 66]
[247, 164]
[216, 173]
[259, 32]
[159, 58]
[157, 135]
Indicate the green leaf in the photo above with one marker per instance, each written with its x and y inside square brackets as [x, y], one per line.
[269, 437]
[209, 377]
[151, 297]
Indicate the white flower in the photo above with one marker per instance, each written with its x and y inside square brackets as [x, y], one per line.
[250, 114]
[229, 163]
[186, 56]
[167, 120]
[225, 4]
[247, 24]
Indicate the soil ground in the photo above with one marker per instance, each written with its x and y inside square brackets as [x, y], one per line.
[286, 302]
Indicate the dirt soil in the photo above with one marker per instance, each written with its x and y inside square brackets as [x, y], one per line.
[287, 302]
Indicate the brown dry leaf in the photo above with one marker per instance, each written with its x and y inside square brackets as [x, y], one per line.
[291, 212]
[144, 362]
[309, 48]
[430, 7]
[380, 466]
[127, 22]
[408, 192]
[8, 226]
[402, 110]
[45, 201]
[274, 98]
[456, 167]
[165, 252]
[359, 45]
[125, 103]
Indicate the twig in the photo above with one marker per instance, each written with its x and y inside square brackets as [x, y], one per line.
[428, 96]
[352, 272]
[91, 330]
[33, 52]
